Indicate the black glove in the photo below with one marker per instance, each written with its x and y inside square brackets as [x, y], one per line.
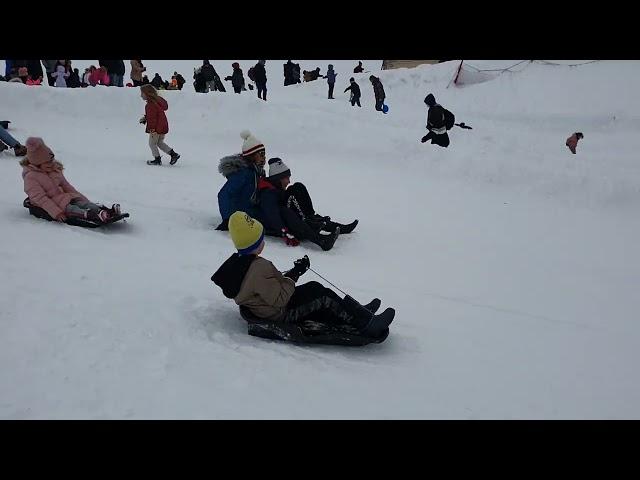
[300, 266]
[424, 139]
[224, 225]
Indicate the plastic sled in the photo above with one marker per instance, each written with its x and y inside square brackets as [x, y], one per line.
[385, 108]
[309, 332]
[76, 222]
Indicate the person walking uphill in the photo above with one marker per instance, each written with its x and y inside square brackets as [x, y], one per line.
[439, 120]
[331, 80]
[276, 303]
[157, 124]
[242, 171]
[378, 91]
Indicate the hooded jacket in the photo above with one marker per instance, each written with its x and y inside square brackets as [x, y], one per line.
[240, 191]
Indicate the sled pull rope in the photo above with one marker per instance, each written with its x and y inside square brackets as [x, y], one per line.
[327, 280]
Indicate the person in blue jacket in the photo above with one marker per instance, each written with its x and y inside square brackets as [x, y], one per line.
[331, 80]
[242, 171]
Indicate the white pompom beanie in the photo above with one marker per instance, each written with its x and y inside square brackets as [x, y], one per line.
[251, 144]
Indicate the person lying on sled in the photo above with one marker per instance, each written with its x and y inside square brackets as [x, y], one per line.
[48, 189]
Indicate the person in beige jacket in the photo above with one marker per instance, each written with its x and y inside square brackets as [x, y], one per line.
[255, 283]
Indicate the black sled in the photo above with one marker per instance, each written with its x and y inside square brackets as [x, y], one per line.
[309, 332]
[76, 222]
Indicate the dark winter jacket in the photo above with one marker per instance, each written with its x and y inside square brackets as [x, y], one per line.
[208, 72]
[358, 69]
[260, 74]
[436, 120]
[35, 69]
[378, 89]
[240, 192]
[117, 67]
[74, 79]
[257, 285]
[237, 78]
[355, 90]
[288, 73]
[331, 76]
[181, 81]
[157, 81]
[272, 199]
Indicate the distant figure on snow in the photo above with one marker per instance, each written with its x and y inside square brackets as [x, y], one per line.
[439, 120]
[359, 68]
[572, 141]
[331, 80]
[237, 78]
[378, 91]
[355, 92]
[60, 75]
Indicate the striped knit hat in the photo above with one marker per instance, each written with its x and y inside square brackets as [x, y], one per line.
[251, 144]
[278, 169]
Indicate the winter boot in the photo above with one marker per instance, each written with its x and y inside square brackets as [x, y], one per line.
[364, 320]
[98, 216]
[331, 226]
[174, 157]
[326, 242]
[379, 323]
[115, 210]
[20, 150]
[3, 147]
[155, 161]
[373, 305]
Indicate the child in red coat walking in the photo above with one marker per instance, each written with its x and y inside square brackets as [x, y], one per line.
[157, 124]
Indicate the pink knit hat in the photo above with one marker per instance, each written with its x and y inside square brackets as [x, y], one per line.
[37, 152]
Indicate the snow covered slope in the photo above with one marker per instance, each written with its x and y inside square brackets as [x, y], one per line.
[512, 264]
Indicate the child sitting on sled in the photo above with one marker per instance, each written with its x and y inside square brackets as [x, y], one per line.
[254, 283]
[49, 190]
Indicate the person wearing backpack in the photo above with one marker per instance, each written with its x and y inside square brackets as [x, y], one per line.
[260, 77]
[439, 120]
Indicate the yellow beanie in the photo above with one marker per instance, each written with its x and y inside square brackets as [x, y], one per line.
[247, 233]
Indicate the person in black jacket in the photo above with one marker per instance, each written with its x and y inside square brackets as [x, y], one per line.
[359, 68]
[260, 76]
[209, 74]
[237, 78]
[116, 73]
[157, 81]
[355, 92]
[436, 123]
[378, 91]
[288, 73]
[180, 79]
[74, 79]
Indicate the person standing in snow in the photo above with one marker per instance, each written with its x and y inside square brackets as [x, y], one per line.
[210, 76]
[237, 78]
[572, 141]
[157, 81]
[60, 75]
[260, 77]
[157, 124]
[378, 91]
[242, 172]
[355, 92]
[255, 284]
[49, 190]
[331, 80]
[359, 68]
[439, 120]
[137, 68]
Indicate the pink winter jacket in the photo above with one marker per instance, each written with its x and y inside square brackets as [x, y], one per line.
[48, 190]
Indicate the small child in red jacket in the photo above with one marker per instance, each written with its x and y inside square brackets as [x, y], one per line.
[572, 141]
[157, 124]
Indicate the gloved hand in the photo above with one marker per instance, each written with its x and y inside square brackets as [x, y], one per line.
[289, 239]
[424, 139]
[143, 120]
[299, 267]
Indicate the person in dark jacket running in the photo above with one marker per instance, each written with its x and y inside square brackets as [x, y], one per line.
[355, 92]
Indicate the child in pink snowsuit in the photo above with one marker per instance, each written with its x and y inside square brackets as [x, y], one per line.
[48, 189]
